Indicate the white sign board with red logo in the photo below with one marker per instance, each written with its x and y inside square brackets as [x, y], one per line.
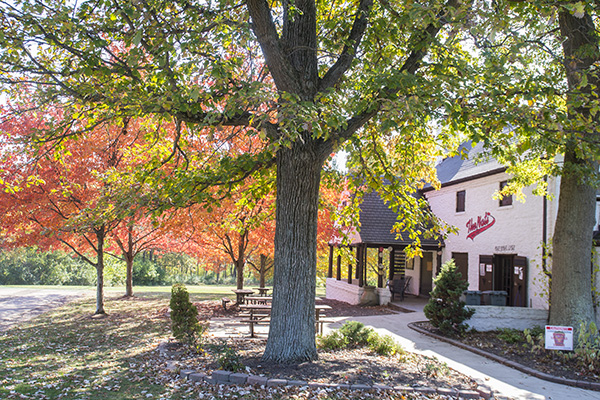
[559, 337]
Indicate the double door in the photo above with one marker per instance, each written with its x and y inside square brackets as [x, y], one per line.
[505, 272]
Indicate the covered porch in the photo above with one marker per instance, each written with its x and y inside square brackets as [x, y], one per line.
[376, 256]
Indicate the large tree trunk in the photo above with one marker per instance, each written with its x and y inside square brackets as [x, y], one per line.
[571, 291]
[571, 300]
[292, 329]
[100, 233]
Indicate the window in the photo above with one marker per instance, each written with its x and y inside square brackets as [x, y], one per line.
[506, 200]
[460, 201]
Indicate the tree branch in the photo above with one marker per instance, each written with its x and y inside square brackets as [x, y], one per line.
[349, 52]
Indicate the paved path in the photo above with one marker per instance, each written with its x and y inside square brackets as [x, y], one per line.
[21, 304]
[504, 381]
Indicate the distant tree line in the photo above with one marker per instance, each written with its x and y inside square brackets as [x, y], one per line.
[30, 266]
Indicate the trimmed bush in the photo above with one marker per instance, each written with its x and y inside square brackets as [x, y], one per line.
[356, 333]
[384, 345]
[445, 310]
[332, 341]
[184, 316]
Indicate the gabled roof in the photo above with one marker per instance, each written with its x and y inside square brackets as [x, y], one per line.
[376, 224]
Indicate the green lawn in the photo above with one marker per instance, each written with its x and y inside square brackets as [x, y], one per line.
[69, 354]
[197, 292]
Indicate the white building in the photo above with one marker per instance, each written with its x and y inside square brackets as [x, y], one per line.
[500, 243]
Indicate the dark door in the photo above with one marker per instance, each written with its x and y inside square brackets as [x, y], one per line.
[503, 274]
[426, 274]
[486, 273]
[519, 282]
[462, 264]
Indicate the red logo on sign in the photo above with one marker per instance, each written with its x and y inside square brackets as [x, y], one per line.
[475, 227]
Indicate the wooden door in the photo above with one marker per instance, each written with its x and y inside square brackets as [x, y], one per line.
[486, 273]
[519, 282]
[426, 274]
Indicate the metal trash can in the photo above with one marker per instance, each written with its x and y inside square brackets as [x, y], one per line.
[494, 297]
[472, 297]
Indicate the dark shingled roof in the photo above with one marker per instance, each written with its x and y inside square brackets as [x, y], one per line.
[377, 221]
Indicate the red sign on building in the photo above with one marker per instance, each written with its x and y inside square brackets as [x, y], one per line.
[477, 226]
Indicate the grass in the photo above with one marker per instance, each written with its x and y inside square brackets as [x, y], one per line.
[197, 292]
[69, 354]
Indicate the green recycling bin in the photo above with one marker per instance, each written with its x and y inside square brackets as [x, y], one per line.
[494, 297]
[472, 297]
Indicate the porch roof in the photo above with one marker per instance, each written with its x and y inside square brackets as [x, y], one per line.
[376, 224]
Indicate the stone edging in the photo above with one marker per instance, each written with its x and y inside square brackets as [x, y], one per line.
[220, 377]
[507, 362]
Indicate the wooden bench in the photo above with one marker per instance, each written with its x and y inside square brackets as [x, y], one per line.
[253, 322]
[319, 325]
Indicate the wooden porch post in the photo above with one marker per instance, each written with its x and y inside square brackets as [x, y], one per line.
[330, 270]
[392, 266]
[359, 270]
[380, 267]
[339, 267]
[350, 273]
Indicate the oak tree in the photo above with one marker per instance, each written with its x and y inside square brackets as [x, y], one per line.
[305, 76]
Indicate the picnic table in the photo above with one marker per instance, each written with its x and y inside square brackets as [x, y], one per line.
[260, 314]
[258, 299]
[241, 294]
[262, 291]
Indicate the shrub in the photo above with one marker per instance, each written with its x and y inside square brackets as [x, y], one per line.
[184, 316]
[384, 345]
[228, 359]
[335, 340]
[587, 350]
[356, 333]
[511, 335]
[445, 310]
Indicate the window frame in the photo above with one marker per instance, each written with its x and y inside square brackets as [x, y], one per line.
[505, 201]
[460, 203]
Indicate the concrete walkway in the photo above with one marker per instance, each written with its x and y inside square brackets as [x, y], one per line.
[505, 382]
[21, 304]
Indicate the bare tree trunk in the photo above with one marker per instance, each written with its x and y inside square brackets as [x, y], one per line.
[263, 270]
[571, 300]
[292, 328]
[100, 233]
[241, 259]
[129, 262]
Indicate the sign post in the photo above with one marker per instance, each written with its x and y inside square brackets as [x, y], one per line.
[559, 337]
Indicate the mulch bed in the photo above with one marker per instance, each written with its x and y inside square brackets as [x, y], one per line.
[353, 366]
[547, 361]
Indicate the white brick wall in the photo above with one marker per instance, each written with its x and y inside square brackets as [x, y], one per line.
[517, 228]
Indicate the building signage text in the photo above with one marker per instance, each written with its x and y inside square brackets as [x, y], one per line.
[479, 225]
[505, 248]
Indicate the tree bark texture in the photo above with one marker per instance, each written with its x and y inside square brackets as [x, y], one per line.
[292, 329]
[100, 234]
[129, 255]
[571, 291]
[571, 300]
